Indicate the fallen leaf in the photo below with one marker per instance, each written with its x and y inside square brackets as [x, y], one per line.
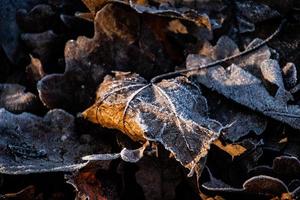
[32, 144]
[133, 43]
[156, 112]
[244, 88]
[243, 121]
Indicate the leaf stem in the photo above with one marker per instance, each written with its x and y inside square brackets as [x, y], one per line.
[217, 62]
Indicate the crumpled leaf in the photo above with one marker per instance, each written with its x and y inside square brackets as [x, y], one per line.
[156, 112]
[32, 144]
[14, 98]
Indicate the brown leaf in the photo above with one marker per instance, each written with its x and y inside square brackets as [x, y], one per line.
[132, 43]
[157, 112]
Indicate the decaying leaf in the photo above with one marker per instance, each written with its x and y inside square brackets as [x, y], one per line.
[157, 112]
[31, 144]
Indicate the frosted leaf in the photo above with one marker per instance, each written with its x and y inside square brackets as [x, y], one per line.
[171, 112]
[242, 87]
[33, 144]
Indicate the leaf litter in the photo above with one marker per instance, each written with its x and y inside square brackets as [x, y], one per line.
[187, 82]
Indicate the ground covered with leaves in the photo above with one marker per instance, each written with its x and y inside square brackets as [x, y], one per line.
[149, 99]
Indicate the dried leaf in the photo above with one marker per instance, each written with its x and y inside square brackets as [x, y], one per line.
[156, 112]
[242, 87]
[130, 44]
[32, 144]
[243, 121]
